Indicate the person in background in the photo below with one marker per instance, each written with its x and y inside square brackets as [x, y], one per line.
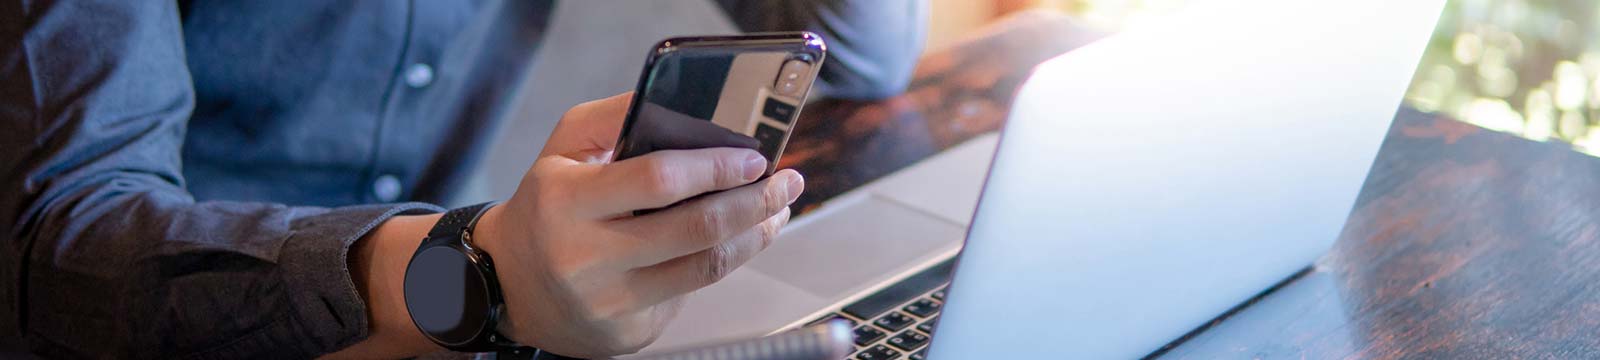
[249, 179]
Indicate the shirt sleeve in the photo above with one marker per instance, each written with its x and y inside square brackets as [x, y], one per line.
[873, 45]
[105, 254]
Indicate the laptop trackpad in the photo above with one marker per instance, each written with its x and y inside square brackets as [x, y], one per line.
[851, 248]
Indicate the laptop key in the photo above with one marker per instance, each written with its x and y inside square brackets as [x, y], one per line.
[831, 317]
[919, 355]
[927, 326]
[879, 352]
[908, 340]
[922, 308]
[894, 321]
[866, 335]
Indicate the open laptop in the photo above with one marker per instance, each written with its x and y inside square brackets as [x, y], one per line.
[1146, 183]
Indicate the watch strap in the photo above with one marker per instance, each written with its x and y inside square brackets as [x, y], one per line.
[457, 220]
[457, 225]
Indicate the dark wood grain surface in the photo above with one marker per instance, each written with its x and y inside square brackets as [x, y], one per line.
[1464, 243]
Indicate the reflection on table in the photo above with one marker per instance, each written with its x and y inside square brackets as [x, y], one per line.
[955, 95]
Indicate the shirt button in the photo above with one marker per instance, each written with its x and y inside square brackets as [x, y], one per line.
[386, 188]
[419, 75]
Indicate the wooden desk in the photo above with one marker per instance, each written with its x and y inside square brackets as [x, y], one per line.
[1464, 244]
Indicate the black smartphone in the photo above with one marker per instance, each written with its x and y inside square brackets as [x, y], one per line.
[722, 91]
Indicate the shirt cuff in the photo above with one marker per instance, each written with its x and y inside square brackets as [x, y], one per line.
[327, 311]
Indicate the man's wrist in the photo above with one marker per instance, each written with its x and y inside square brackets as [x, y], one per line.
[378, 264]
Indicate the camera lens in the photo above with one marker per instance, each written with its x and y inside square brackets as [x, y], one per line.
[790, 77]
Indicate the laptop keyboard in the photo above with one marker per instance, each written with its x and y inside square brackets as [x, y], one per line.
[898, 321]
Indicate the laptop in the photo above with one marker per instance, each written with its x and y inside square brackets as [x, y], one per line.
[1146, 184]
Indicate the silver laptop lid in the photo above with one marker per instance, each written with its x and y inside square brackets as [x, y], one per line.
[1148, 182]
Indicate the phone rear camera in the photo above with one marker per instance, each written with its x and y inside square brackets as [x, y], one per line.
[790, 76]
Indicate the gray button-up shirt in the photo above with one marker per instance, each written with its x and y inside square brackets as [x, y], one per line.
[185, 179]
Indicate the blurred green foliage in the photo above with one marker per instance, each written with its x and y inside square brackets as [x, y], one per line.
[1526, 67]
[1530, 68]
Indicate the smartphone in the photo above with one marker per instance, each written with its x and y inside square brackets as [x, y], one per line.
[722, 91]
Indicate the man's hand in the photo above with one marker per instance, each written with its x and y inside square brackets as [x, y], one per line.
[581, 276]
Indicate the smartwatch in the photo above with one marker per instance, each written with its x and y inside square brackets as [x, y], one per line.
[451, 289]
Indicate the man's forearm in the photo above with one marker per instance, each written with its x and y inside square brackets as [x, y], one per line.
[378, 265]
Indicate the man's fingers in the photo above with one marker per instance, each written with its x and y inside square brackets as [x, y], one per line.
[691, 272]
[590, 127]
[706, 222]
[666, 177]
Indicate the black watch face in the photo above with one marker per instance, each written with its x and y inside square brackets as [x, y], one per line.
[447, 296]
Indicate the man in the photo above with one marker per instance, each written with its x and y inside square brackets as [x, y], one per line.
[201, 179]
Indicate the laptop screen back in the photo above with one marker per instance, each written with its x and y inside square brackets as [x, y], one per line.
[1148, 182]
